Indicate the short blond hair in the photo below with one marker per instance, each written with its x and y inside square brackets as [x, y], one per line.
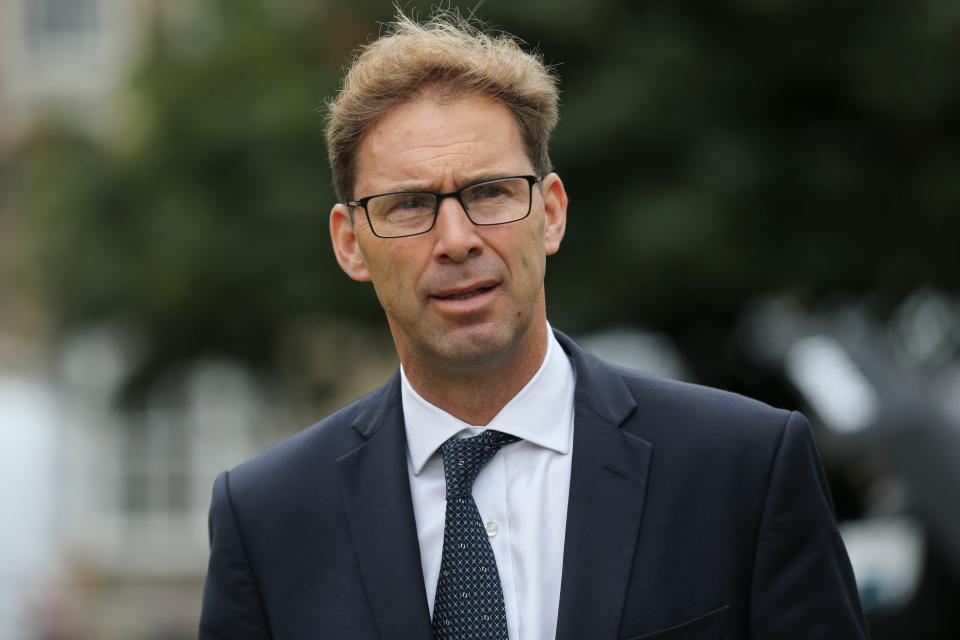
[448, 55]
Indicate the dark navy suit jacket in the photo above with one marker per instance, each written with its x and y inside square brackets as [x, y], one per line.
[693, 513]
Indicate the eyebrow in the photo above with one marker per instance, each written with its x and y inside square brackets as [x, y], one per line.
[470, 180]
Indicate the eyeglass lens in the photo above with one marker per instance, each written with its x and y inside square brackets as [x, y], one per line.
[487, 203]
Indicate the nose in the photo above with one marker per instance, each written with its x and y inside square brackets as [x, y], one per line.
[456, 238]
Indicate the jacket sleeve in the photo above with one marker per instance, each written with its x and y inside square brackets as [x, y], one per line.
[232, 607]
[803, 585]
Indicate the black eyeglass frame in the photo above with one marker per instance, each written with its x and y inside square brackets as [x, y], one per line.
[440, 197]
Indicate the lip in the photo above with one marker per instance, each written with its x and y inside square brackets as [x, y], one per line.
[448, 300]
[455, 291]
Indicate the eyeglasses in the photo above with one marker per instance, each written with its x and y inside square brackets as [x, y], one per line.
[410, 213]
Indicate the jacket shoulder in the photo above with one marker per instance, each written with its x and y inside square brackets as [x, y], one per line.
[655, 405]
[316, 448]
[697, 404]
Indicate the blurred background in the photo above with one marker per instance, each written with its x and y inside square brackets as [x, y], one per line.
[764, 198]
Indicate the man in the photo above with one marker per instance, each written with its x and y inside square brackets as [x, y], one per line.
[504, 483]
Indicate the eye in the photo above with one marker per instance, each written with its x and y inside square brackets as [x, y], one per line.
[411, 203]
[489, 191]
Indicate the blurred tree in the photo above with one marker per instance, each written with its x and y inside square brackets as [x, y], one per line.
[713, 152]
[203, 217]
[723, 150]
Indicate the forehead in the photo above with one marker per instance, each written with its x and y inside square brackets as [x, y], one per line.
[429, 142]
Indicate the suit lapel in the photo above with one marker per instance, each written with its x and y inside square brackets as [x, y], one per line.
[376, 496]
[607, 489]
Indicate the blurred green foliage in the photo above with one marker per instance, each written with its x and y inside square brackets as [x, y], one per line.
[713, 152]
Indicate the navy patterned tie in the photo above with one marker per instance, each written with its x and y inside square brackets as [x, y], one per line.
[469, 602]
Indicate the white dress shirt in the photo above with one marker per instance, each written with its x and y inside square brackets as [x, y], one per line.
[521, 493]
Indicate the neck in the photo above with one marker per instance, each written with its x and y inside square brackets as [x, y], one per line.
[476, 394]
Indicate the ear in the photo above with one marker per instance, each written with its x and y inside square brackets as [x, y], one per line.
[555, 212]
[346, 245]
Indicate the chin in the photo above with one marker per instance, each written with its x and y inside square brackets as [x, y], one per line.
[477, 345]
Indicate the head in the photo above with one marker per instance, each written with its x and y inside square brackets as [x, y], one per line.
[437, 107]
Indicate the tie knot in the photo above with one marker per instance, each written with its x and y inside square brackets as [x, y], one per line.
[464, 457]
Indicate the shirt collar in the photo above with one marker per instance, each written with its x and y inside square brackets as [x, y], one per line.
[540, 413]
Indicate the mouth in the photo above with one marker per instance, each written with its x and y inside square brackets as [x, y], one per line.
[464, 293]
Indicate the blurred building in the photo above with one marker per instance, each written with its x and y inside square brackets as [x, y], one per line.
[108, 535]
[63, 59]
[66, 58]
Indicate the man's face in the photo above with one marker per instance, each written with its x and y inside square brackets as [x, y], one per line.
[459, 296]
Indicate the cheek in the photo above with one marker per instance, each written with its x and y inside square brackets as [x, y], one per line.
[532, 257]
[389, 284]
[535, 268]
[394, 278]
